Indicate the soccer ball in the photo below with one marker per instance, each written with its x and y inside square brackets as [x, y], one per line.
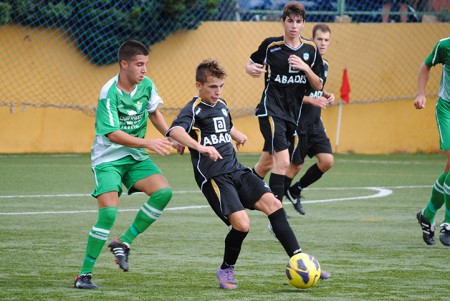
[303, 270]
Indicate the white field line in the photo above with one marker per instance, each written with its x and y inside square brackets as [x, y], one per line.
[379, 193]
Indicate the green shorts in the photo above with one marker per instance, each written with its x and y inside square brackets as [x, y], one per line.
[443, 123]
[109, 176]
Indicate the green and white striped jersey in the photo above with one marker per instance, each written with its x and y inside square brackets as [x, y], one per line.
[129, 113]
[441, 55]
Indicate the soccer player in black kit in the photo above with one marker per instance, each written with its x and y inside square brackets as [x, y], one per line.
[205, 126]
[312, 138]
[290, 64]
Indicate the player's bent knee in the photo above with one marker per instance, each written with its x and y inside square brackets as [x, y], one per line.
[325, 164]
[268, 204]
[161, 197]
[107, 216]
[242, 227]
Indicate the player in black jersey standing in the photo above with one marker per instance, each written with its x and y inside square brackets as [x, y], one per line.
[205, 126]
[312, 138]
[290, 64]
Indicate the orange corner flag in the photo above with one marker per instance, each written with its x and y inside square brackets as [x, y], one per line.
[345, 87]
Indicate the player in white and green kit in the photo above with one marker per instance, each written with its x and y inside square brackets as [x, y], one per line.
[441, 189]
[119, 157]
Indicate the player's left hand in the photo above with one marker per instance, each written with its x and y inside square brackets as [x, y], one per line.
[320, 102]
[297, 63]
[238, 137]
[329, 97]
[241, 141]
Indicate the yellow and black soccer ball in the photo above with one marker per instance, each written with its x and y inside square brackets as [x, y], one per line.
[303, 270]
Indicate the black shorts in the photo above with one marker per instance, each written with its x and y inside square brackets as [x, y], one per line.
[309, 144]
[277, 133]
[232, 192]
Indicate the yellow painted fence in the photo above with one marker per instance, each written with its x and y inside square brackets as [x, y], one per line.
[367, 128]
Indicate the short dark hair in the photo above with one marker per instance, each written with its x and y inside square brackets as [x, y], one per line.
[322, 27]
[294, 8]
[209, 67]
[131, 48]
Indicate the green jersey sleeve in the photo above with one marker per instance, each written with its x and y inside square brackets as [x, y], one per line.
[107, 120]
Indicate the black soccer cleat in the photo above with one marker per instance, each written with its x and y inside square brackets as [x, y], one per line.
[295, 200]
[428, 229]
[444, 235]
[120, 251]
[84, 282]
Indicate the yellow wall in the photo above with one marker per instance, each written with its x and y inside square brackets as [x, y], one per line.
[380, 127]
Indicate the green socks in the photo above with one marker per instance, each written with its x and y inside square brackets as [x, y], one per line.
[437, 198]
[148, 214]
[98, 237]
[99, 233]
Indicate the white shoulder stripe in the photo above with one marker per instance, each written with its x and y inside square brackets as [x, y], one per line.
[107, 86]
[433, 61]
[108, 107]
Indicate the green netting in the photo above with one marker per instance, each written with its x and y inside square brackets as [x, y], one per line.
[40, 39]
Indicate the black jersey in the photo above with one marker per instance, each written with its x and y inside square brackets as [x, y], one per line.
[310, 121]
[210, 125]
[285, 86]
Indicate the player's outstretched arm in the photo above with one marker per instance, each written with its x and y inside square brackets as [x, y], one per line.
[160, 146]
[180, 135]
[424, 75]
[160, 124]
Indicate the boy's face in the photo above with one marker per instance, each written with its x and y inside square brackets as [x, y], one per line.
[136, 68]
[293, 26]
[322, 40]
[211, 90]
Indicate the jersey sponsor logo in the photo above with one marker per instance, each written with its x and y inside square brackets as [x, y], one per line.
[293, 69]
[316, 94]
[219, 124]
[293, 79]
[217, 139]
[275, 49]
[130, 122]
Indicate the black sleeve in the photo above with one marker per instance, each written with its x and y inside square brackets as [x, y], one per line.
[260, 55]
[185, 119]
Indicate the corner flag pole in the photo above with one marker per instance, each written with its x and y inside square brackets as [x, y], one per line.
[338, 128]
[345, 97]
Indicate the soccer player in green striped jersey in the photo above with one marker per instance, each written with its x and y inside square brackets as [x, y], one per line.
[440, 194]
[119, 157]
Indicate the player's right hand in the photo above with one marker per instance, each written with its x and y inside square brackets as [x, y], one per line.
[255, 70]
[419, 102]
[159, 146]
[211, 152]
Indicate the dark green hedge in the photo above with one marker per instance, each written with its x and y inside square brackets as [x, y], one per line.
[100, 26]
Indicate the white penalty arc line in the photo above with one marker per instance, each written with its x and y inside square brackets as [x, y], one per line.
[380, 192]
